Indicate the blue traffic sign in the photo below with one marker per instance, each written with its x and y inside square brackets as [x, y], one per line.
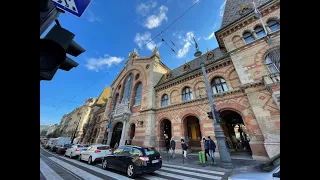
[75, 7]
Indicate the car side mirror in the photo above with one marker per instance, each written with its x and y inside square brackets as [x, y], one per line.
[276, 174]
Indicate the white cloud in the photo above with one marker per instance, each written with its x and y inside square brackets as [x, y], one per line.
[222, 8]
[96, 64]
[144, 8]
[195, 1]
[212, 34]
[92, 18]
[142, 39]
[188, 41]
[154, 21]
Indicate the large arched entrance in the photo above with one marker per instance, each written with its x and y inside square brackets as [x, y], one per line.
[116, 134]
[237, 136]
[165, 132]
[192, 132]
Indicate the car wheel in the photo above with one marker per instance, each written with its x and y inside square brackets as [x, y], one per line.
[70, 156]
[104, 164]
[130, 171]
[90, 160]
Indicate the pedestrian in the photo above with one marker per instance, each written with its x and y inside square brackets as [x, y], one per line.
[212, 148]
[167, 145]
[206, 148]
[184, 147]
[115, 146]
[173, 147]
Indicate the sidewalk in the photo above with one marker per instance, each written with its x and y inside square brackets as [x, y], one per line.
[193, 161]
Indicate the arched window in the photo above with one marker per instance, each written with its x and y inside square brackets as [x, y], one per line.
[248, 37]
[219, 85]
[115, 101]
[127, 89]
[186, 94]
[273, 25]
[164, 100]
[273, 61]
[137, 99]
[259, 31]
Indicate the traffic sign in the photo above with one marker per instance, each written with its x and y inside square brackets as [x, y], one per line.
[75, 7]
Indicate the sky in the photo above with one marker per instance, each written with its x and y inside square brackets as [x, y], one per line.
[110, 29]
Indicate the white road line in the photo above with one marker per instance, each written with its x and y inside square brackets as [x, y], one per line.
[102, 171]
[47, 172]
[77, 171]
[174, 175]
[191, 173]
[150, 177]
[194, 169]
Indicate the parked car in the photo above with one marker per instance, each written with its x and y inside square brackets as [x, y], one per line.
[50, 142]
[60, 141]
[269, 170]
[63, 149]
[75, 150]
[95, 153]
[134, 160]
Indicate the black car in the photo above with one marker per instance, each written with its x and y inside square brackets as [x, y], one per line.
[134, 160]
[62, 149]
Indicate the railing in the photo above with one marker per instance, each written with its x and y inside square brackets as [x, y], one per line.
[271, 79]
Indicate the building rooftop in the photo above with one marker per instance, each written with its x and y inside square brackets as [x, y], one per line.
[235, 9]
[194, 64]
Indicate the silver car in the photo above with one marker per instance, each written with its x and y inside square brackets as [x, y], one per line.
[269, 170]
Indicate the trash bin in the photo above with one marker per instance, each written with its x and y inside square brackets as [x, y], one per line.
[201, 157]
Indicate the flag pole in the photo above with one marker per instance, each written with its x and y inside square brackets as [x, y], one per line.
[259, 15]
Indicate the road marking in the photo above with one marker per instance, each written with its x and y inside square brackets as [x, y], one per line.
[47, 172]
[78, 171]
[194, 169]
[150, 177]
[102, 171]
[191, 173]
[174, 175]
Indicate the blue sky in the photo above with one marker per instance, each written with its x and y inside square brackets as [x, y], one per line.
[110, 29]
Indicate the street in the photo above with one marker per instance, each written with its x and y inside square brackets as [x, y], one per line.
[58, 167]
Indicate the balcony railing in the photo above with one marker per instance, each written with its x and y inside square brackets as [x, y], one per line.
[271, 80]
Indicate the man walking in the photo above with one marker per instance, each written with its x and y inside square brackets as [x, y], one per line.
[173, 147]
[184, 148]
[212, 148]
[206, 148]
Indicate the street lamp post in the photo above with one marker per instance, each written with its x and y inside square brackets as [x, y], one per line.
[223, 151]
[75, 131]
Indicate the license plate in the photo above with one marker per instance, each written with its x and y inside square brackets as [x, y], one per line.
[155, 161]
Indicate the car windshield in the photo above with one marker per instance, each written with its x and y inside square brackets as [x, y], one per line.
[68, 145]
[271, 164]
[150, 151]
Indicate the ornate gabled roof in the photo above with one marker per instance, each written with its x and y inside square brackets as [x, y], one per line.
[235, 9]
[103, 96]
[194, 64]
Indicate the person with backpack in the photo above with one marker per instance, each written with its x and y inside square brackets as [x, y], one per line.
[184, 147]
[173, 147]
[212, 148]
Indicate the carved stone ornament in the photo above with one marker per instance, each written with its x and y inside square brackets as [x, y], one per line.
[186, 67]
[244, 7]
[168, 75]
[210, 56]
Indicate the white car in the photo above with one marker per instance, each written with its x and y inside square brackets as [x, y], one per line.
[75, 150]
[94, 153]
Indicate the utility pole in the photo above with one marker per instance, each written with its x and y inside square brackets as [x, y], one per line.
[48, 13]
[223, 151]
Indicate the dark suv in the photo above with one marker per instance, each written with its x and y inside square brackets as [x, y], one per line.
[133, 160]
